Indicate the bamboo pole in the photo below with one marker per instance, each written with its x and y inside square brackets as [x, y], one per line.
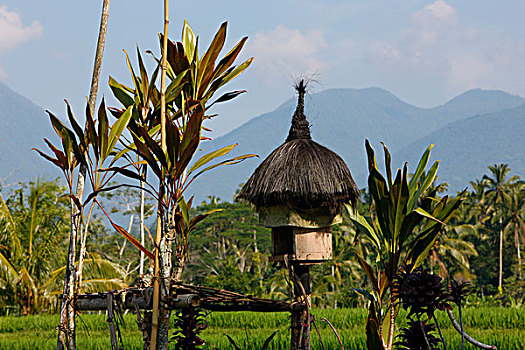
[142, 236]
[159, 340]
[66, 329]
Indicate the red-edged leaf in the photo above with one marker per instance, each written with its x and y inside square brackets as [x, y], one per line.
[228, 60]
[59, 154]
[369, 272]
[132, 240]
[76, 127]
[227, 96]
[207, 64]
[92, 132]
[125, 172]
[103, 130]
[52, 160]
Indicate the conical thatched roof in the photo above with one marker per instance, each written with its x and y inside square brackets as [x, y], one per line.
[301, 173]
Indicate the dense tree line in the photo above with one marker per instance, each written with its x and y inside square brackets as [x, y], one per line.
[482, 243]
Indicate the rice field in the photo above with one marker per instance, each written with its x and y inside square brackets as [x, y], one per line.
[503, 327]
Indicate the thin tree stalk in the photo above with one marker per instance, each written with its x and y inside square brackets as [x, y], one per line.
[121, 252]
[142, 237]
[500, 274]
[517, 244]
[67, 312]
[98, 56]
[159, 340]
[83, 239]
[440, 333]
[424, 334]
[66, 328]
[461, 325]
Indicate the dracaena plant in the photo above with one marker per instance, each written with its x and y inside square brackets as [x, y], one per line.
[193, 82]
[94, 148]
[169, 154]
[403, 224]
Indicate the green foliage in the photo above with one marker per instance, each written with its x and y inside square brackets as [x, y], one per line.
[194, 81]
[33, 233]
[406, 221]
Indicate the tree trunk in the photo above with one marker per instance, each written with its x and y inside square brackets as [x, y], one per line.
[130, 226]
[67, 316]
[83, 240]
[98, 56]
[500, 275]
[66, 329]
[518, 248]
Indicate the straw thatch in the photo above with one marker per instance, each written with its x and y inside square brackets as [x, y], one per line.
[301, 173]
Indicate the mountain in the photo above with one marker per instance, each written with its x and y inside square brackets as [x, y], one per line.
[342, 119]
[24, 125]
[471, 131]
[467, 147]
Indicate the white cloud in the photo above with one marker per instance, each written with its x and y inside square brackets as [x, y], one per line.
[13, 32]
[438, 49]
[423, 46]
[437, 13]
[283, 52]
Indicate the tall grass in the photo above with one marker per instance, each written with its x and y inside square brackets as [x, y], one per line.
[502, 327]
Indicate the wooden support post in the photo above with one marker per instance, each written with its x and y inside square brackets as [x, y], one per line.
[300, 316]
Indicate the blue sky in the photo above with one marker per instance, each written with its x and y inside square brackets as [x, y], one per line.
[425, 52]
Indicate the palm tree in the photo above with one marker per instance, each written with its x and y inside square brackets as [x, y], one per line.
[33, 231]
[498, 187]
[516, 223]
[453, 250]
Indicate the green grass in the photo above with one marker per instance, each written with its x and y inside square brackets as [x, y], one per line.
[502, 327]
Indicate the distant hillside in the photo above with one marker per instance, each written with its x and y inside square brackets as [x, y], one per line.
[341, 119]
[467, 147]
[24, 125]
[467, 138]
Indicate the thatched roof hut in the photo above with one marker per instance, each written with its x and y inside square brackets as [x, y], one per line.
[301, 175]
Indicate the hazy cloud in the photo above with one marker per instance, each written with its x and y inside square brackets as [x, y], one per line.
[437, 47]
[423, 45]
[284, 52]
[437, 13]
[13, 32]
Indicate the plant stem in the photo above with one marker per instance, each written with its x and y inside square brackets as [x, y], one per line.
[392, 322]
[439, 330]
[142, 238]
[424, 333]
[83, 240]
[468, 337]
[500, 274]
[66, 328]
[461, 324]
[159, 340]
[66, 309]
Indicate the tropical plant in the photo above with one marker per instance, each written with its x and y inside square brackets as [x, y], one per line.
[404, 224]
[498, 187]
[516, 223]
[167, 142]
[453, 250]
[33, 222]
[33, 229]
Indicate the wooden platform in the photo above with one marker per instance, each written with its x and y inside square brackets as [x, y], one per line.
[182, 296]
